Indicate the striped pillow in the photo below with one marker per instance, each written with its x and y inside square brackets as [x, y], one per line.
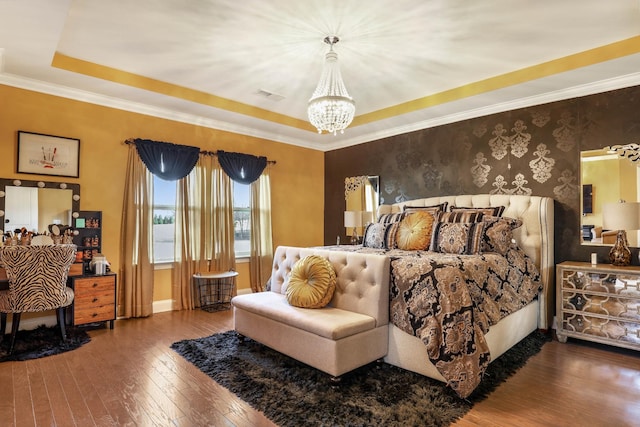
[489, 211]
[460, 216]
[390, 218]
[461, 238]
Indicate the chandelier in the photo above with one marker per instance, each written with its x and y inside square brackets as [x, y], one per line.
[331, 109]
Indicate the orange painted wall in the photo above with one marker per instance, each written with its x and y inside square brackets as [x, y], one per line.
[297, 180]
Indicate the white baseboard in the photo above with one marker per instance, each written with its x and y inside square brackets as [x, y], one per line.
[162, 305]
[167, 304]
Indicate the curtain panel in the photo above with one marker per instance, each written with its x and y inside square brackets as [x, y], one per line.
[165, 160]
[261, 256]
[242, 168]
[135, 284]
[204, 240]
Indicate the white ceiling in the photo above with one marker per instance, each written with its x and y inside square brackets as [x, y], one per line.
[409, 64]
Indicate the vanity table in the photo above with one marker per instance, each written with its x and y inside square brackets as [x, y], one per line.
[35, 205]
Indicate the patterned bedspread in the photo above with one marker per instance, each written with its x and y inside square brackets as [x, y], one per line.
[450, 301]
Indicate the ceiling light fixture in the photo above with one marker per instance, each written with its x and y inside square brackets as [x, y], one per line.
[331, 109]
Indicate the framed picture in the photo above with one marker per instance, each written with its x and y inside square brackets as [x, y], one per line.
[48, 154]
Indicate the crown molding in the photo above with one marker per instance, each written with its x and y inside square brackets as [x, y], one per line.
[106, 101]
[149, 110]
[559, 95]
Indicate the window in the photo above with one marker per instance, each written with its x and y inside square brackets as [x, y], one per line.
[242, 219]
[164, 216]
[164, 219]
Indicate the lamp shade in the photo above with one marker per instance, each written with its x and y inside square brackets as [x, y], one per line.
[352, 219]
[621, 216]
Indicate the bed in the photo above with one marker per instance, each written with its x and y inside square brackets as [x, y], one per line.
[485, 327]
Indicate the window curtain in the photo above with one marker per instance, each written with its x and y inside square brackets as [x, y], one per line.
[242, 168]
[165, 160]
[204, 240]
[261, 257]
[135, 284]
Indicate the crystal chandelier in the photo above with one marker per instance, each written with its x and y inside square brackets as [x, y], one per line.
[331, 108]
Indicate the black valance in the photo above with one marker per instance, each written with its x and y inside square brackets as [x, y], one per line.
[242, 168]
[166, 160]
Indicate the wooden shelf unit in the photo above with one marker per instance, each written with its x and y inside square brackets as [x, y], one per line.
[89, 238]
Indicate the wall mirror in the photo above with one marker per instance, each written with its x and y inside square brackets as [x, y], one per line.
[35, 205]
[606, 177]
[361, 194]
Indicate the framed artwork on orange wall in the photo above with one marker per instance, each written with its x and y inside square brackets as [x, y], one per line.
[48, 154]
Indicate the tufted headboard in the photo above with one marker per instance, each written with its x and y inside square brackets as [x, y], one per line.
[362, 280]
[535, 236]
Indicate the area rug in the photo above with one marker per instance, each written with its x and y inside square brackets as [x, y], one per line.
[40, 342]
[291, 393]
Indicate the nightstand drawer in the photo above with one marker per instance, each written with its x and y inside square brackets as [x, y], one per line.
[97, 298]
[626, 285]
[94, 314]
[88, 286]
[605, 305]
[618, 331]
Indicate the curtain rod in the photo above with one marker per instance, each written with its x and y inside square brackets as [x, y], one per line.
[204, 152]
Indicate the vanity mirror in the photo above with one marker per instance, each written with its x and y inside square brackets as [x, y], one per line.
[606, 177]
[35, 205]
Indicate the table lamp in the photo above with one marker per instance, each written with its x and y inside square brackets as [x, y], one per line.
[353, 219]
[621, 216]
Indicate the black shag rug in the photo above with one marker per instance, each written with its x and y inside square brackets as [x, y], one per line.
[291, 393]
[40, 342]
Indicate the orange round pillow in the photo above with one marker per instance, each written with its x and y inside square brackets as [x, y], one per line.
[312, 282]
[414, 231]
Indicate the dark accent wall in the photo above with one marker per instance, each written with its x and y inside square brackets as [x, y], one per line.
[533, 150]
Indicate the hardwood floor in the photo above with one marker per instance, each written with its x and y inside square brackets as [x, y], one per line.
[130, 376]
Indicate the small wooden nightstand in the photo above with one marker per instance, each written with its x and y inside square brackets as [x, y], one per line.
[94, 300]
[598, 303]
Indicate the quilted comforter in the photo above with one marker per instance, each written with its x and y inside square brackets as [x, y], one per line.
[450, 301]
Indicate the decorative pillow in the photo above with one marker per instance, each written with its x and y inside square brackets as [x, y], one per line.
[498, 234]
[432, 209]
[390, 235]
[312, 282]
[374, 235]
[462, 238]
[490, 211]
[460, 216]
[414, 231]
[390, 218]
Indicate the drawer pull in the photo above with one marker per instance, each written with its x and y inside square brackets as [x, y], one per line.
[95, 284]
[95, 300]
[94, 314]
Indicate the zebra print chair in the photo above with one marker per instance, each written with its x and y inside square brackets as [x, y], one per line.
[37, 282]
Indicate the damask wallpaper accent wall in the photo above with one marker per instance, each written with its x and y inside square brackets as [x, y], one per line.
[533, 150]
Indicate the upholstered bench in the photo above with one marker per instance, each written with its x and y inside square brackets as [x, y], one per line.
[349, 332]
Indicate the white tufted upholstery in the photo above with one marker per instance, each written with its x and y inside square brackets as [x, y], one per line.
[535, 236]
[350, 332]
